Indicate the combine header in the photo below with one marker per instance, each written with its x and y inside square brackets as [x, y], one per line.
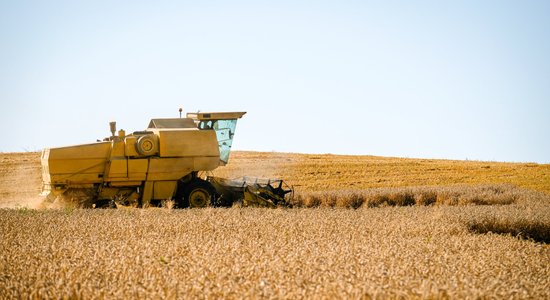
[252, 191]
[163, 162]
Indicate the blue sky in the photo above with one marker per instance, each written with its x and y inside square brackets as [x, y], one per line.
[431, 79]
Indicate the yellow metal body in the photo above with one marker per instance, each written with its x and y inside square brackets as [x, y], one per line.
[144, 164]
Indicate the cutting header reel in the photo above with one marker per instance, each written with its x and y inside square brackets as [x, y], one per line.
[249, 191]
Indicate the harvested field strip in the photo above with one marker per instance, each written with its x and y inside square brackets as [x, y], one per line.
[327, 172]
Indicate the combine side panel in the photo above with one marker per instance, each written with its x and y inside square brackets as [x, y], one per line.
[137, 169]
[169, 168]
[187, 143]
[163, 190]
[45, 166]
[83, 164]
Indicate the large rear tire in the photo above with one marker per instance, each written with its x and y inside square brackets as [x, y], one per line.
[198, 193]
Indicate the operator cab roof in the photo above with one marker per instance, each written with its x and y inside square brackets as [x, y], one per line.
[193, 118]
[202, 116]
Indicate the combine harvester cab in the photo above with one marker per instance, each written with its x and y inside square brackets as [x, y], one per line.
[145, 167]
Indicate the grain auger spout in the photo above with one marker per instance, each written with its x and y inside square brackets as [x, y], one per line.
[250, 191]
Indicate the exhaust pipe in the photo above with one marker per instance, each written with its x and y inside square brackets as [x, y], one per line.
[113, 128]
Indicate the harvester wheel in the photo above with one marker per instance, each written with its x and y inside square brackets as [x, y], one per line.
[199, 193]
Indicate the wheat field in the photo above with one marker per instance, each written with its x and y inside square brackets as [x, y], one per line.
[362, 227]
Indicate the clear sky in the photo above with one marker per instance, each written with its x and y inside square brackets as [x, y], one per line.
[431, 79]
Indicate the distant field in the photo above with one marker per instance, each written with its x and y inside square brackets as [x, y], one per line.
[422, 229]
[309, 172]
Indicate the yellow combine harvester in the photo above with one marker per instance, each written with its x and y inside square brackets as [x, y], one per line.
[161, 163]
